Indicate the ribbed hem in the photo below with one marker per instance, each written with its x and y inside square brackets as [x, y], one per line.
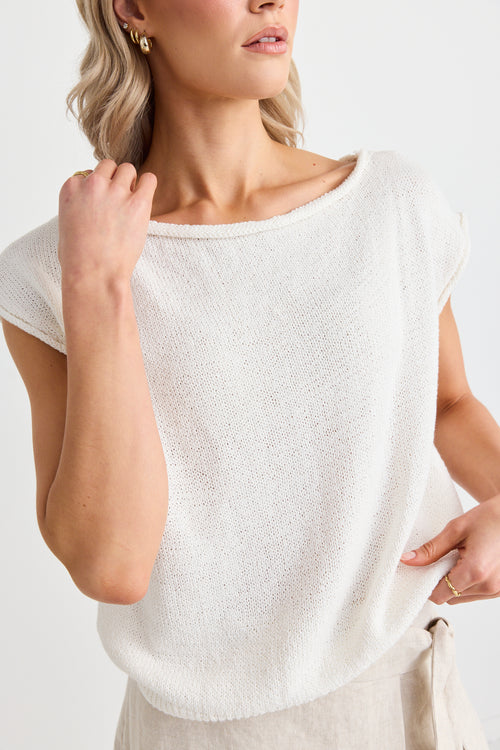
[413, 614]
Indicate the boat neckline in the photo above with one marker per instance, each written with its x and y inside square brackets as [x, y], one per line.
[162, 228]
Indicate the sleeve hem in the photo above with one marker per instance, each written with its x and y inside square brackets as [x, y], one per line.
[29, 328]
[457, 271]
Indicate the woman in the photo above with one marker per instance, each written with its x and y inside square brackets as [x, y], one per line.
[246, 335]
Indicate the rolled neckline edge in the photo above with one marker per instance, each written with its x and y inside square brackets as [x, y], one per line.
[201, 231]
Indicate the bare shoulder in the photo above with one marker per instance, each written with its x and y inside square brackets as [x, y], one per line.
[348, 159]
[302, 177]
[310, 165]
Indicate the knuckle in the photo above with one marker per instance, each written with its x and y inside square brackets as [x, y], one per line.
[479, 570]
[93, 180]
[68, 187]
[428, 548]
[136, 202]
[127, 165]
[141, 203]
[138, 208]
[457, 525]
[491, 586]
[451, 527]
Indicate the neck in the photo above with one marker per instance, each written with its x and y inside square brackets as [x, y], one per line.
[210, 156]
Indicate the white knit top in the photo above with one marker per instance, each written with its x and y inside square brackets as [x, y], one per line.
[292, 364]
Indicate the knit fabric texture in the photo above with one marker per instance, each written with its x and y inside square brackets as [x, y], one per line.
[292, 364]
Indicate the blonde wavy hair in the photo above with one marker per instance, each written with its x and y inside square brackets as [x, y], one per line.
[115, 93]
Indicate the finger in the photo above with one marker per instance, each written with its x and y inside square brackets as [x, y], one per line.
[147, 184]
[451, 537]
[487, 587]
[460, 599]
[125, 175]
[463, 576]
[447, 596]
[484, 588]
[106, 168]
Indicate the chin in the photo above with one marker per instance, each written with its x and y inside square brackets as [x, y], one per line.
[266, 92]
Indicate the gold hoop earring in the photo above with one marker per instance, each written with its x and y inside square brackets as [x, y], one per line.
[144, 42]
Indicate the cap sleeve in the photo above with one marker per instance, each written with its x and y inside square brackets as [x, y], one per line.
[450, 245]
[437, 226]
[30, 285]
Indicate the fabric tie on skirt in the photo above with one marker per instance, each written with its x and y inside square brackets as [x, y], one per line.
[411, 698]
[456, 723]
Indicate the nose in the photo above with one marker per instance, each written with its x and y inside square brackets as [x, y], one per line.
[257, 5]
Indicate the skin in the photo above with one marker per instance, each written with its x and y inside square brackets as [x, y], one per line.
[210, 152]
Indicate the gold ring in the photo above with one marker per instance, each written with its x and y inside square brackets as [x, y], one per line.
[452, 587]
[85, 172]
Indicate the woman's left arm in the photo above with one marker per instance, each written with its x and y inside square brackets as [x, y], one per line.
[468, 440]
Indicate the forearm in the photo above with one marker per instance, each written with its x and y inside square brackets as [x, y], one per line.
[468, 440]
[107, 506]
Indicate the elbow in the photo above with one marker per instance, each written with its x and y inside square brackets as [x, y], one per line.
[95, 578]
[111, 588]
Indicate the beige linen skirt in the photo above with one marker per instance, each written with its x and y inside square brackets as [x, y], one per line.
[412, 698]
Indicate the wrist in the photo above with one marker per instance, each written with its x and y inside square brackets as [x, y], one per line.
[85, 283]
[97, 300]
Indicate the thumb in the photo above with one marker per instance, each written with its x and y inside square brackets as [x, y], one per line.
[432, 550]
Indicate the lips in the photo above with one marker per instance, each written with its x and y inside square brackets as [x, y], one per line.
[280, 32]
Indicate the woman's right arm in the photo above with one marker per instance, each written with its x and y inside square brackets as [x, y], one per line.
[102, 487]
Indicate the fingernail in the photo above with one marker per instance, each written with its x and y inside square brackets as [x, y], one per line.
[408, 555]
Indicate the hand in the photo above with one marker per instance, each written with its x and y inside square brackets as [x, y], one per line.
[103, 221]
[476, 534]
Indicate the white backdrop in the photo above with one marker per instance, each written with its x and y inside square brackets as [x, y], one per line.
[418, 77]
